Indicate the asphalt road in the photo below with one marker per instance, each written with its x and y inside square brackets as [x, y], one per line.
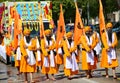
[8, 75]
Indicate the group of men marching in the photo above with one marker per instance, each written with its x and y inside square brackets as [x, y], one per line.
[41, 52]
[47, 53]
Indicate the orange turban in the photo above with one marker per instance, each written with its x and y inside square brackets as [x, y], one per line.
[87, 28]
[69, 34]
[48, 32]
[109, 25]
[26, 32]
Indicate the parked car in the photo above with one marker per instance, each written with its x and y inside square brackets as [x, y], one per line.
[116, 27]
[69, 27]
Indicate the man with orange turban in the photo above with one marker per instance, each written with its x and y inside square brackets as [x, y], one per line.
[97, 48]
[70, 53]
[28, 62]
[109, 58]
[88, 43]
[47, 46]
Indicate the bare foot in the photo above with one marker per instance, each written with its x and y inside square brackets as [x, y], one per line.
[18, 73]
[53, 79]
[25, 81]
[107, 76]
[115, 77]
[88, 76]
[32, 82]
[69, 78]
[47, 79]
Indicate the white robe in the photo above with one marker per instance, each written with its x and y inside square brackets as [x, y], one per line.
[52, 57]
[31, 59]
[111, 53]
[18, 54]
[3, 52]
[60, 50]
[38, 51]
[90, 55]
[98, 46]
[71, 62]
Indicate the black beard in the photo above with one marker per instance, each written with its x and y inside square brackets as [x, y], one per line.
[27, 38]
[48, 37]
[70, 41]
[87, 34]
[110, 35]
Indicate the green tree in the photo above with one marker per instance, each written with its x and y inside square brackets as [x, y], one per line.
[69, 8]
[109, 7]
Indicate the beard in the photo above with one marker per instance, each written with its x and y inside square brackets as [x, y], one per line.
[27, 39]
[110, 35]
[87, 34]
[70, 41]
[48, 37]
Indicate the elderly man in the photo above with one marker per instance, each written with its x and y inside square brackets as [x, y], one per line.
[109, 58]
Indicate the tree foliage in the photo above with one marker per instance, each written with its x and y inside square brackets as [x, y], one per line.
[69, 8]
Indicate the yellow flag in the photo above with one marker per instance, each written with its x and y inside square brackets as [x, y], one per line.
[78, 27]
[101, 18]
[61, 27]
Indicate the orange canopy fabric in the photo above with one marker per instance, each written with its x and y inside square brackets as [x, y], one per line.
[101, 18]
[78, 27]
[61, 27]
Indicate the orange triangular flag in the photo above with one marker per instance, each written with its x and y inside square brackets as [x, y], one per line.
[61, 27]
[101, 18]
[78, 27]
[19, 26]
[16, 29]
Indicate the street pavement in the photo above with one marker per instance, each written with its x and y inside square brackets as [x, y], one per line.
[8, 75]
